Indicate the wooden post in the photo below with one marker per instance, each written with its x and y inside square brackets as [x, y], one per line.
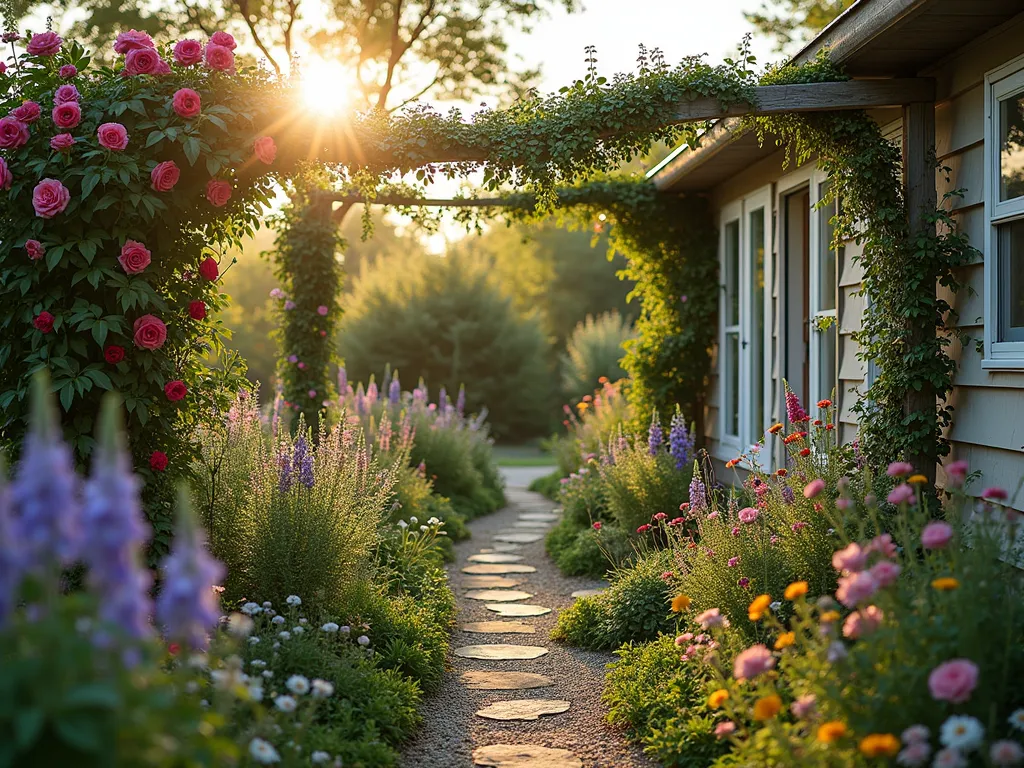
[921, 201]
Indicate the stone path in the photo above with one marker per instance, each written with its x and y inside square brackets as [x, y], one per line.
[512, 698]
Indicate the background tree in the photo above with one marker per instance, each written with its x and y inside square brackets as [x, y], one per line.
[792, 22]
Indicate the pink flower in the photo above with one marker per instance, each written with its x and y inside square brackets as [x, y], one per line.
[142, 61]
[44, 44]
[112, 136]
[956, 471]
[902, 494]
[736, 531]
[188, 52]
[658, 516]
[850, 558]
[175, 390]
[162, 68]
[164, 176]
[949, 758]
[748, 515]
[667, 576]
[134, 258]
[885, 572]
[754, 661]
[644, 528]
[219, 57]
[799, 525]
[6, 177]
[13, 133]
[302, 366]
[713, 515]
[186, 103]
[856, 588]
[844, 504]
[149, 332]
[289, 304]
[914, 755]
[62, 142]
[936, 535]
[265, 149]
[804, 706]
[883, 545]
[999, 494]
[68, 71]
[49, 198]
[132, 40]
[712, 617]
[1006, 753]
[953, 680]
[218, 192]
[67, 115]
[65, 93]
[34, 249]
[915, 734]
[3, 68]
[312, 393]
[743, 582]
[725, 728]
[899, 469]
[596, 526]
[223, 38]
[863, 622]
[27, 113]
[813, 488]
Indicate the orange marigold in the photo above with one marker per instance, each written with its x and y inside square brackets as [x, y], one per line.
[795, 590]
[775, 428]
[758, 607]
[829, 616]
[945, 584]
[680, 603]
[917, 479]
[879, 745]
[767, 707]
[717, 699]
[732, 463]
[785, 640]
[831, 731]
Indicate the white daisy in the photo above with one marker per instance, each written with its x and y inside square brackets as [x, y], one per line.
[961, 733]
[298, 684]
[285, 703]
[263, 752]
[256, 692]
[322, 689]
[1017, 719]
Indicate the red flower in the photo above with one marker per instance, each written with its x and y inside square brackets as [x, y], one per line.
[173, 649]
[830, 426]
[175, 390]
[818, 422]
[186, 103]
[209, 269]
[197, 310]
[150, 332]
[113, 354]
[43, 322]
[780, 472]
[644, 528]
[824, 403]
[158, 461]
[265, 149]
[597, 526]
[164, 176]
[218, 192]
[805, 452]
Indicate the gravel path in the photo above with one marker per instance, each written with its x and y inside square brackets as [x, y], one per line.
[452, 730]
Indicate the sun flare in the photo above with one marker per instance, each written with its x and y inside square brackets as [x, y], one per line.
[326, 86]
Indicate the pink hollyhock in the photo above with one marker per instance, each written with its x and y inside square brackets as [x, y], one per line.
[134, 258]
[188, 52]
[219, 57]
[44, 44]
[13, 133]
[953, 681]
[186, 103]
[850, 558]
[197, 310]
[112, 136]
[856, 588]
[899, 469]
[914, 755]
[754, 661]
[999, 494]
[883, 545]
[142, 61]
[65, 93]
[175, 390]
[27, 113]
[223, 38]
[150, 332]
[132, 40]
[209, 270]
[748, 515]
[862, 623]
[158, 461]
[67, 115]
[34, 249]
[68, 71]
[43, 322]
[956, 471]
[218, 192]
[804, 706]
[885, 572]
[62, 142]
[936, 535]
[265, 149]
[813, 488]
[902, 494]
[50, 198]
[6, 177]
[164, 176]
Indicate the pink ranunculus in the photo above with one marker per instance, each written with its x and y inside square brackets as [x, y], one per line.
[132, 40]
[27, 113]
[62, 142]
[219, 57]
[223, 38]
[754, 661]
[956, 471]
[188, 52]
[149, 332]
[49, 198]
[856, 588]
[134, 258]
[902, 494]
[1005, 753]
[164, 176]
[67, 115]
[218, 192]
[142, 61]
[885, 572]
[13, 133]
[186, 103]
[44, 44]
[813, 488]
[68, 71]
[265, 149]
[883, 545]
[953, 681]
[915, 734]
[6, 177]
[862, 623]
[34, 249]
[851, 558]
[112, 136]
[65, 93]
[748, 514]
[936, 535]
[914, 755]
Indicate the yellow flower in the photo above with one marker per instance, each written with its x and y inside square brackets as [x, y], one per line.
[879, 745]
[680, 603]
[717, 699]
[945, 584]
[785, 640]
[582, 406]
[767, 707]
[831, 731]
[795, 590]
[829, 616]
[917, 479]
[758, 607]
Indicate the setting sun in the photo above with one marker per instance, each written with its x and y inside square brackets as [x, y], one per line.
[325, 85]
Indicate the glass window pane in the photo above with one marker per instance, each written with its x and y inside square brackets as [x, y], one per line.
[732, 384]
[1011, 147]
[826, 256]
[1011, 281]
[732, 273]
[827, 371]
[756, 225]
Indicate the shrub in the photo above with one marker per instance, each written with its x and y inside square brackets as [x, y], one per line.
[583, 552]
[582, 624]
[593, 352]
[548, 485]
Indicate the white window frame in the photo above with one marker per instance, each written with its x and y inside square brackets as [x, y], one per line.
[733, 212]
[1000, 83]
[815, 245]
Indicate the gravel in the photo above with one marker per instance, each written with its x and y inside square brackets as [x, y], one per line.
[451, 730]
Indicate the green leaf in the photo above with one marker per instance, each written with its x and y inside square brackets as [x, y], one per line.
[83, 730]
[67, 395]
[27, 722]
[105, 202]
[155, 137]
[191, 147]
[92, 695]
[99, 332]
[89, 183]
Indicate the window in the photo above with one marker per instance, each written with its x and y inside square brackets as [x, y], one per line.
[1004, 210]
[824, 329]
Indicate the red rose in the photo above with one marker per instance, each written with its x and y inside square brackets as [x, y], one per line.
[13, 133]
[158, 461]
[134, 257]
[265, 149]
[132, 40]
[43, 322]
[188, 52]
[165, 176]
[35, 249]
[67, 115]
[218, 192]
[150, 332]
[197, 310]
[186, 103]
[219, 57]
[112, 136]
[113, 354]
[223, 38]
[142, 61]
[44, 44]
[27, 113]
[175, 390]
[49, 198]
[209, 269]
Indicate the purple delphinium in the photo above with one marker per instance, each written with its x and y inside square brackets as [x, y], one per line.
[460, 402]
[9, 572]
[787, 495]
[698, 494]
[655, 435]
[442, 401]
[342, 380]
[680, 441]
[302, 462]
[187, 606]
[395, 391]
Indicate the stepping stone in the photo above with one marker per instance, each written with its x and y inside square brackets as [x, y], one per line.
[481, 680]
[501, 652]
[492, 558]
[490, 582]
[498, 595]
[519, 538]
[524, 756]
[518, 609]
[542, 517]
[588, 592]
[532, 524]
[523, 709]
[506, 547]
[499, 628]
[496, 569]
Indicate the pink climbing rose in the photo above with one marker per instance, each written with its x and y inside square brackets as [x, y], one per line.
[265, 149]
[218, 192]
[44, 44]
[62, 142]
[953, 681]
[150, 332]
[142, 61]
[27, 113]
[134, 258]
[219, 57]
[13, 133]
[186, 103]
[34, 249]
[188, 52]
[164, 176]
[68, 71]
[113, 136]
[6, 177]
[67, 115]
[49, 198]
[132, 40]
[65, 93]
[225, 39]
